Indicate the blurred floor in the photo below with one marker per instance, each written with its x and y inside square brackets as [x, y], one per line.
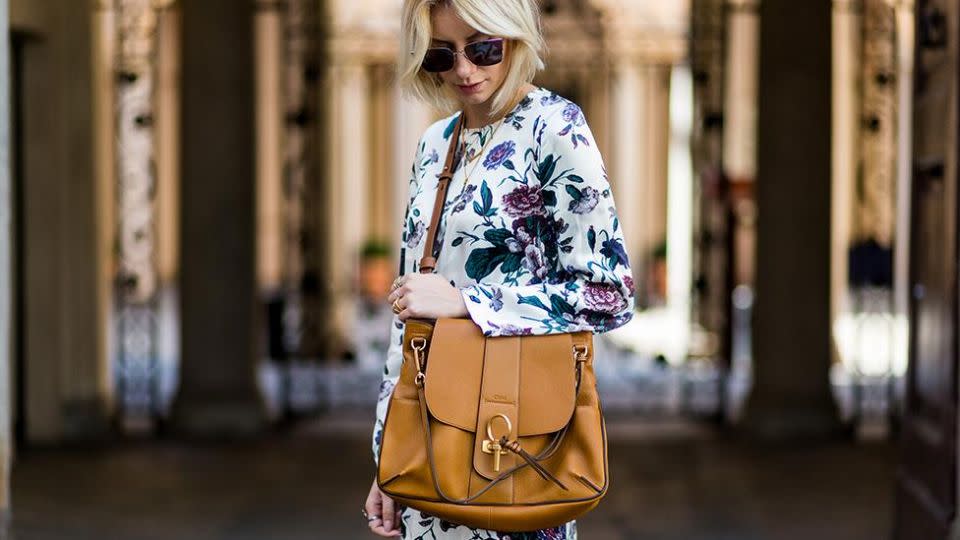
[671, 481]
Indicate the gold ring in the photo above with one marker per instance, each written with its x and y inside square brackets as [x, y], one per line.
[396, 283]
[396, 306]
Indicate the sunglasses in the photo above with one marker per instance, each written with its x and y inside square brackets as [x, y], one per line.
[486, 52]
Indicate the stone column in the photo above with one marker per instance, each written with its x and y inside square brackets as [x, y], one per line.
[740, 132]
[269, 131]
[167, 152]
[379, 202]
[63, 346]
[846, 150]
[103, 25]
[218, 392]
[655, 117]
[901, 245]
[739, 197]
[6, 270]
[711, 265]
[410, 119]
[302, 315]
[791, 395]
[627, 168]
[640, 128]
[346, 193]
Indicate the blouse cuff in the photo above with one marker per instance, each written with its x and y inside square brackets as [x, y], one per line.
[478, 312]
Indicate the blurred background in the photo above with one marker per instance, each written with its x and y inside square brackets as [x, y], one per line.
[200, 211]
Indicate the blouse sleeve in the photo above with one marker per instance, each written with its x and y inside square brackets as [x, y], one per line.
[391, 368]
[588, 286]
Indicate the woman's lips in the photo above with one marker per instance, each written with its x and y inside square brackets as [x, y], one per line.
[471, 88]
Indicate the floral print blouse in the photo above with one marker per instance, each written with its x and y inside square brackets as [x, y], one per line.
[531, 239]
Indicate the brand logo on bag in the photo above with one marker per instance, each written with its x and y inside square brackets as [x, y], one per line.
[500, 398]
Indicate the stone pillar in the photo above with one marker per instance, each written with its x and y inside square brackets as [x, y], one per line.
[346, 191]
[63, 343]
[379, 204]
[846, 150]
[103, 25]
[167, 143]
[302, 314]
[167, 157]
[654, 136]
[901, 246]
[410, 118]
[6, 270]
[711, 264]
[640, 127]
[626, 178]
[791, 395]
[218, 392]
[740, 133]
[269, 131]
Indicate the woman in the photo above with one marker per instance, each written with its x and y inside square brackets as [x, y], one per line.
[529, 241]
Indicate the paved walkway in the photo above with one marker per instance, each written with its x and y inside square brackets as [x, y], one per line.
[670, 482]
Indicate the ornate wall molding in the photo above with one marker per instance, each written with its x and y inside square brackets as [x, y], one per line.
[301, 204]
[137, 278]
[878, 142]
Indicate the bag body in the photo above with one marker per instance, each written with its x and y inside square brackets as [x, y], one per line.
[500, 433]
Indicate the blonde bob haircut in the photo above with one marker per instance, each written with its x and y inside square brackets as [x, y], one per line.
[516, 20]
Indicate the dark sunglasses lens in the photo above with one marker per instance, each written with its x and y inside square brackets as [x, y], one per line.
[485, 53]
[438, 59]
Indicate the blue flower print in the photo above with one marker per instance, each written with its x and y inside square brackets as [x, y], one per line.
[550, 99]
[514, 118]
[499, 155]
[583, 201]
[415, 233]
[574, 118]
[464, 198]
[571, 113]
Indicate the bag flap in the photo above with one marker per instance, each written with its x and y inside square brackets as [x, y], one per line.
[454, 371]
[543, 372]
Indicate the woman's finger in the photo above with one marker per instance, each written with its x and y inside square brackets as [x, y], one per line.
[379, 530]
[389, 514]
[373, 504]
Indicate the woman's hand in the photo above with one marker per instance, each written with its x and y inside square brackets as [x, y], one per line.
[428, 296]
[383, 513]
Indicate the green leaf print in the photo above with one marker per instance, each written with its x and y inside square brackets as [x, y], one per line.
[482, 262]
[545, 169]
[497, 237]
[532, 300]
[511, 263]
[549, 198]
[560, 305]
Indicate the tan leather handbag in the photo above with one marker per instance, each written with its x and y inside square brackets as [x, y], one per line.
[501, 433]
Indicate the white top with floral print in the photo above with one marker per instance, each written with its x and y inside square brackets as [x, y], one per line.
[532, 241]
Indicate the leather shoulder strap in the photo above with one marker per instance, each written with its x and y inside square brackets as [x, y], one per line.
[428, 263]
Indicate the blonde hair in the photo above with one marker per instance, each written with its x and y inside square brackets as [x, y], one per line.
[516, 20]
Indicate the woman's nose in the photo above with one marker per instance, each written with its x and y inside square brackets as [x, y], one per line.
[463, 67]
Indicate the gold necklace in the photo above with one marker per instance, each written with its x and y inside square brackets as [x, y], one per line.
[476, 157]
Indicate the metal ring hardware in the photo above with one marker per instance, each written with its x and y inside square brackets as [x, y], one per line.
[490, 426]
